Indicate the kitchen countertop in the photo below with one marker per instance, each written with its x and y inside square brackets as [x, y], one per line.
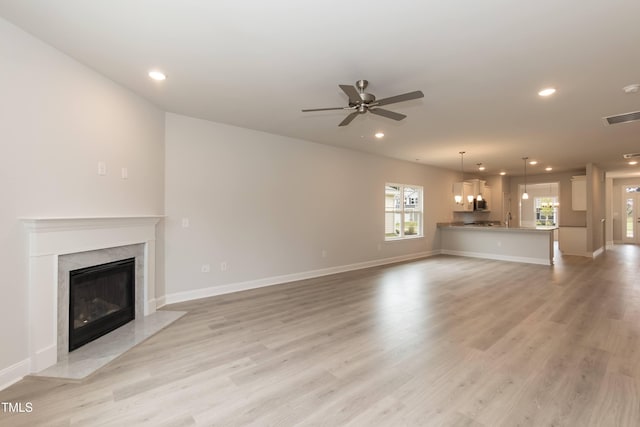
[488, 227]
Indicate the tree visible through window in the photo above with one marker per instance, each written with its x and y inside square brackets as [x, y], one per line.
[546, 211]
[403, 211]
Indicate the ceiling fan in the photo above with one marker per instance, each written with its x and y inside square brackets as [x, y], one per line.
[360, 102]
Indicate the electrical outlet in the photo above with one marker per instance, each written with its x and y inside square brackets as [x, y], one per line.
[206, 268]
[324, 253]
[379, 246]
[185, 222]
[124, 173]
[102, 168]
[224, 266]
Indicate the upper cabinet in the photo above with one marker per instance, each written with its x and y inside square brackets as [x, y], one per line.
[486, 195]
[482, 194]
[463, 197]
[471, 195]
[579, 193]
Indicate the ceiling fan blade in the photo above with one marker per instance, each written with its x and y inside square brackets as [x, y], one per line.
[386, 113]
[399, 98]
[352, 93]
[326, 109]
[349, 119]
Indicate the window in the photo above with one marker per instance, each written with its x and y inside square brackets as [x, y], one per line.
[402, 211]
[630, 198]
[546, 211]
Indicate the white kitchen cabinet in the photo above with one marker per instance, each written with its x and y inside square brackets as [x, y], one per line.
[464, 189]
[478, 187]
[579, 193]
[486, 195]
[573, 241]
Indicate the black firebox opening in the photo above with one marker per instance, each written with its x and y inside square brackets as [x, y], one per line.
[101, 299]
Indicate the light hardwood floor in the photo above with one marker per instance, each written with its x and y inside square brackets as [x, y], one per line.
[442, 341]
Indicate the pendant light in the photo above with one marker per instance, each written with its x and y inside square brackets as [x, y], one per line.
[479, 195]
[458, 197]
[525, 195]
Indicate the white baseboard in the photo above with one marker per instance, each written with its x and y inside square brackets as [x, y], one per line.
[528, 260]
[151, 307]
[276, 280]
[593, 254]
[44, 358]
[584, 254]
[13, 373]
[161, 302]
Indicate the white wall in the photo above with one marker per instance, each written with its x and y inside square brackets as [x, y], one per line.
[269, 205]
[57, 120]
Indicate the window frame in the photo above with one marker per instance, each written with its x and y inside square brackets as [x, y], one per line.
[403, 210]
[537, 210]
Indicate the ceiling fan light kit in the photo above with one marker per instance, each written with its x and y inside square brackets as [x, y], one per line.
[361, 102]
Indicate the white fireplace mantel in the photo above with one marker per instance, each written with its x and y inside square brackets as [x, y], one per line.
[51, 237]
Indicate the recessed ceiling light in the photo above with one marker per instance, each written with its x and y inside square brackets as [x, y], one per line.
[379, 135]
[547, 92]
[548, 168]
[480, 167]
[634, 88]
[157, 75]
[633, 162]
[533, 162]
[503, 173]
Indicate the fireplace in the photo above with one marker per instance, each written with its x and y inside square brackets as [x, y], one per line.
[101, 299]
[58, 246]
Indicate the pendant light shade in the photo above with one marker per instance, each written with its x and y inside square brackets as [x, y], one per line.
[525, 195]
[479, 195]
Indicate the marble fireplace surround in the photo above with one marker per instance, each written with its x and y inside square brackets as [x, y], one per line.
[74, 261]
[57, 245]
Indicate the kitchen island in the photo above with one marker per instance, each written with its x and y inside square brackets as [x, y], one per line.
[518, 244]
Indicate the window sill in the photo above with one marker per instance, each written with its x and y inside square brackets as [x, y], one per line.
[399, 239]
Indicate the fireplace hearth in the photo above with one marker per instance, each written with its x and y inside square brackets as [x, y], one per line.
[101, 299]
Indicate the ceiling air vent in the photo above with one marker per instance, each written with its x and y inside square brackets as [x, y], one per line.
[622, 118]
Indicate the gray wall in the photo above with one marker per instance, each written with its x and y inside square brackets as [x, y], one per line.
[596, 206]
[268, 205]
[57, 120]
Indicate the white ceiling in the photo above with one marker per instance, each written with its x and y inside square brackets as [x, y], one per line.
[480, 65]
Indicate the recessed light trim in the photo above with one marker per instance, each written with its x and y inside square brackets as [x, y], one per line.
[547, 91]
[633, 162]
[533, 162]
[503, 173]
[548, 168]
[157, 75]
[379, 135]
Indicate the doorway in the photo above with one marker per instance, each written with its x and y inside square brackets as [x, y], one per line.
[540, 209]
[631, 214]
